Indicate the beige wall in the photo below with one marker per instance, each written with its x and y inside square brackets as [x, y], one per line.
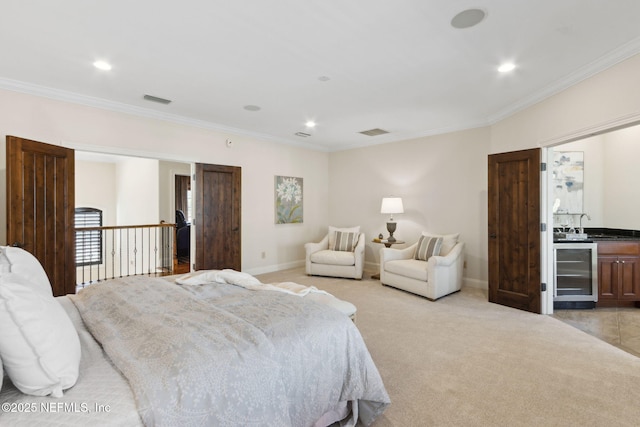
[621, 196]
[93, 129]
[96, 188]
[167, 184]
[443, 184]
[607, 99]
[99, 184]
[611, 174]
[137, 191]
[443, 179]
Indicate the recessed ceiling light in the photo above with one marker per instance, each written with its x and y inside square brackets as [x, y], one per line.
[251, 108]
[310, 124]
[468, 18]
[102, 65]
[506, 67]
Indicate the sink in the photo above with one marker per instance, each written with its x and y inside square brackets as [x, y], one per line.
[576, 236]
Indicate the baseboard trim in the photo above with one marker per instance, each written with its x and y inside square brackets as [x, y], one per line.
[369, 268]
[275, 267]
[475, 283]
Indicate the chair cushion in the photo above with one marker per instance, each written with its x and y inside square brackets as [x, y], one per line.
[332, 233]
[412, 268]
[448, 241]
[333, 257]
[345, 241]
[428, 246]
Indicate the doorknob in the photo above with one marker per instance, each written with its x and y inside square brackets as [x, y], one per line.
[493, 235]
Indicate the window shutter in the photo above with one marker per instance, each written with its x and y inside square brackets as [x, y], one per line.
[88, 243]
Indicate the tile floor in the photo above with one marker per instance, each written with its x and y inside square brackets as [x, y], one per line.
[617, 326]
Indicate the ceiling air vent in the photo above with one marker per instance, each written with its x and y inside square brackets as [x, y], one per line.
[374, 132]
[302, 134]
[156, 99]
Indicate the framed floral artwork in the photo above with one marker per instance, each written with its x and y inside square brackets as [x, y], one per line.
[288, 193]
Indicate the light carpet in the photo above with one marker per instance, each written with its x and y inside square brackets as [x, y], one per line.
[462, 361]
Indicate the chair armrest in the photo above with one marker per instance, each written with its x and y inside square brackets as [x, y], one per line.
[445, 272]
[448, 260]
[315, 247]
[361, 243]
[358, 253]
[390, 254]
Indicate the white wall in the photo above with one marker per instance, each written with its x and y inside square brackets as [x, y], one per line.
[137, 191]
[607, 99]
[96, 188]
[443, 179]
[611, 193]
[621, 196]
[167, 186]
[443, 184]
[92, 129]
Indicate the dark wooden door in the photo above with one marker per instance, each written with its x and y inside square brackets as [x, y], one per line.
[514, 229]
[217, 217]
[40, 207]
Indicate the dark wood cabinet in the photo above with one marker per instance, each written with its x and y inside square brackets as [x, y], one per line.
[618, 272]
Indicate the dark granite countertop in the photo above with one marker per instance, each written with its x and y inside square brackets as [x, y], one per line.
[604, 234]
[612, 234]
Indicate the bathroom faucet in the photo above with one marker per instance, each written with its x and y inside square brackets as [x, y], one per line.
[588, 217]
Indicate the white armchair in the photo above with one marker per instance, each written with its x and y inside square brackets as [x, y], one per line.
[440, 275]
[341, 257]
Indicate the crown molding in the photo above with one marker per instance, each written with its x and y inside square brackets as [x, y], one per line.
[614, 57]
[611, 125]
[118, 107]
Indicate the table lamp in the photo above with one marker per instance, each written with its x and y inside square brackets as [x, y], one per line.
[391, 205]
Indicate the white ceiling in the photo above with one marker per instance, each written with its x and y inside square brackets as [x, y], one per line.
[397, 65]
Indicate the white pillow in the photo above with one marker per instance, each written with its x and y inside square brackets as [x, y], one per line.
[27, 266]
[5, 265]
[39, 345]
[448, 241]
[332, 233]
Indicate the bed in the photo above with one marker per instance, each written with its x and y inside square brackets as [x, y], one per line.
[155, 352]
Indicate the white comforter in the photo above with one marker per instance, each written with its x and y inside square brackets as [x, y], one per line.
[227, 356]
[245, 280]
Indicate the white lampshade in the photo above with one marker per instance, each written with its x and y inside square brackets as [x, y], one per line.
[391, 205]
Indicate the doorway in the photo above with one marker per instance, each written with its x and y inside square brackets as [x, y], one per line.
[608, 204]
[183, 223]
